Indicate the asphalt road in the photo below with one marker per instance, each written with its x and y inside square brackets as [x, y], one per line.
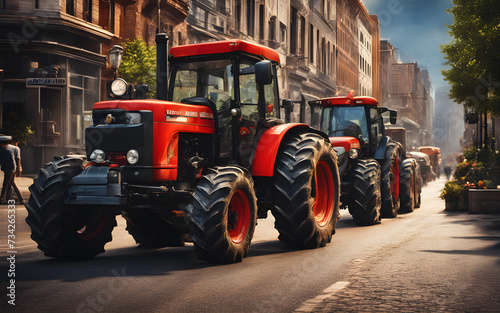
[426, 261]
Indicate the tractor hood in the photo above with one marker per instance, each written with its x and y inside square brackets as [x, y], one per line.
[163, 111]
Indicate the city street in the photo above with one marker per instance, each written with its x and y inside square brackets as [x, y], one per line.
[426, 261]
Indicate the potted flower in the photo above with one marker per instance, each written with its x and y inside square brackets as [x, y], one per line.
[454, 195]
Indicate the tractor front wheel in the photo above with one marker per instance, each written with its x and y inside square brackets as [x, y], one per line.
[306, 191]
[223, 215]
[61, 231]
[363, 199]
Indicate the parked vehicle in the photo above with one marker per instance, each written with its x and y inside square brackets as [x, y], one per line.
[207, 158]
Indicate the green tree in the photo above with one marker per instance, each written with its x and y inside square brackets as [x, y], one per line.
[139, 64]
[473, 55]
[16, 126]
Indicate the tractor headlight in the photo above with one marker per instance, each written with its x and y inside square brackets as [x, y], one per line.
[119, 87]
[354, 154]
[98, 156]
[132, 118]
[132, 156]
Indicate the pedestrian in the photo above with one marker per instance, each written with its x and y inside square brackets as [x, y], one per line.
[16, 152]
[447, 171]
[8, 165]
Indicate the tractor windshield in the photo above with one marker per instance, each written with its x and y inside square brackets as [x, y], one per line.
[210, 79]
[345, 121]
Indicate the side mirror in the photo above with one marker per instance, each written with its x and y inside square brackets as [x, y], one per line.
[263, 73]
[393, 116]
[141, 91]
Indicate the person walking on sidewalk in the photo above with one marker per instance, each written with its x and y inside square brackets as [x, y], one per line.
[16, 152]
[8, 165]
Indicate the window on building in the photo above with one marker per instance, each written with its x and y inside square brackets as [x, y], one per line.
[107, 15]
[250, 17]
[272, 28]
[328, 63]
[261, 22]
[318, 57]
[302, 35]
[237, 16]
[323, 55]
[70, 7]
[311, 43]
[200, 15]
[221, 6]
[282, 33]
[293, 30]
[87, 10]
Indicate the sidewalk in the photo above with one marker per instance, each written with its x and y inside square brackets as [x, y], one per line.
[22, 183]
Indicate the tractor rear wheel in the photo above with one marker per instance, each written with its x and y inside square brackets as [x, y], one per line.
[149, 229]
[407, 186]
[61, 231]
[389, 185]
[363, 199]
[306, 191]
[223, 214]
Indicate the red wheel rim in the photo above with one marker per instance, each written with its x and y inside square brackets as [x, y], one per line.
[238, 216]
[323, 193]
[395, 180]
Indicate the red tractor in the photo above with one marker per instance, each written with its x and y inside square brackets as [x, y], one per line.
[377, 179]
[205, 159]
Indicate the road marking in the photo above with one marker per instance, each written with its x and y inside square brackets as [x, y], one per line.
[309, 305]
[336, 287]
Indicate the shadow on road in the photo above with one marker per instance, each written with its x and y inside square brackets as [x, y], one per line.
[128, 261]
[489, 231]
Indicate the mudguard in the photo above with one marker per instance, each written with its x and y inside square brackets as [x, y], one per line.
[269, 144]
[380, 151]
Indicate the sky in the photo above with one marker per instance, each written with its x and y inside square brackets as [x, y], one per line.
[417, 29]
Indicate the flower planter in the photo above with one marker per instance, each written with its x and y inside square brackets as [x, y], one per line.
[484, 201]
[456, 205]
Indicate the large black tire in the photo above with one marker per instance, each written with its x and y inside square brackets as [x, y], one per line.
[223, 214]
[363, 198]
[389, 185]
[149, 229]
[407, 186]
[306, 191]
[60, 231]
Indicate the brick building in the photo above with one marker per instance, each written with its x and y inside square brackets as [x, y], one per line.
[53, 63]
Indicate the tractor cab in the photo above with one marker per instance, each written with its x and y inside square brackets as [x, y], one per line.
[353, 124]
[225, 77]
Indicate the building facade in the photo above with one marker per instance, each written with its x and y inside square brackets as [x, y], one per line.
[365, 67]
[302, 32]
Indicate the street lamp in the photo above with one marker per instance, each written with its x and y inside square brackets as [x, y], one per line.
[115, 57]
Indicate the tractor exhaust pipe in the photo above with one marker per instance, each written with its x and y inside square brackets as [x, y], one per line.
[161, 66]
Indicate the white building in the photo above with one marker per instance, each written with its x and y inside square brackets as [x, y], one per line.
[365, 57]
